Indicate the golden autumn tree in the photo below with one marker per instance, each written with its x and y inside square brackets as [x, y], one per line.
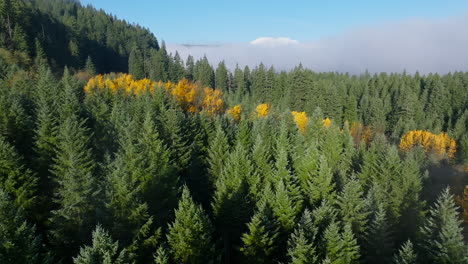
[301, 120]
[122, 82]
[235, 112]
[439, 145]
[185, 93]
[262, 110]
[212, 102]
[326, 122]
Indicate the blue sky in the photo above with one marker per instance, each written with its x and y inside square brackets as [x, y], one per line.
[212, 22]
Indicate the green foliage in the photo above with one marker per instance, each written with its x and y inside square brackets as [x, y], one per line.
[190, 235]
[135, 64]
[18, 241]
[352, 206]
[406, 254]
[15, 179]
[341, 246]
[301, 247]
[442, 239]
[103, 250]
[259, 241]
[77, 192]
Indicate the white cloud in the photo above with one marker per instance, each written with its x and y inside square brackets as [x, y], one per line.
[438, 45]
[274, 42]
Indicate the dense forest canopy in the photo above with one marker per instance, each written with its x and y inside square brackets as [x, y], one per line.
[114, 151]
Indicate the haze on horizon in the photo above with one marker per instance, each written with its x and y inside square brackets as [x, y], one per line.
[391, 36]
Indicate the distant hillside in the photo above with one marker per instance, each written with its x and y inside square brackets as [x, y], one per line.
[69, 32]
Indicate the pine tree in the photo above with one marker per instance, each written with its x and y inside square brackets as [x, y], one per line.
[76, 193]
[102, 251]
[90, 68]
[218, 151]
[18, 242]
[341, 246]
[259, 241]
[406, 254]
[69, 102]
[127, 178]
[176, 68]
[442, 239]
[190, 235]
[301, 244]
[46, 120]
[15, 179]
[352, 206]
[161, 256]
[378, 246]
[135, 64]
[221, 80]
[189, 68]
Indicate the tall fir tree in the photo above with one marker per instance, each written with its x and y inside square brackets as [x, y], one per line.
[103, 250]
[442, 239]
[190, 236]
[18, 241]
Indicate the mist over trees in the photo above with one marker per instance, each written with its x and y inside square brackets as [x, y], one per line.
[114, 151]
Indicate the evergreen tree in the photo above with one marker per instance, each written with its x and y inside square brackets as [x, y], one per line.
[18, 242]
[341, 246]
[76, 194]
[379, 244]
[161, 256]
[189, 68]
[406, 254]
[259, 241]
[221, 81]
[190, 235]
[442, 239]
[103, 250]
[352, 206]
[301, 247]
[89, 66]
[15, 179]
[136, 64]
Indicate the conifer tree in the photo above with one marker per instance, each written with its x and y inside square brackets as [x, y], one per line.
[161, 256]
[15, 179]
[190, 235]
[135, 64]
[341, 246]
[90, 68]
[217, 154]
[221, 80]
[76, 193]
[46, 120]
[126, 181]
[18, 242]
[301, 247]
[352, 206]
[102, 251]
[260, 240]
[378, 245]
[442, 239]
[406, 254]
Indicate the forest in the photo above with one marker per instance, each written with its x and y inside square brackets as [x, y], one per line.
[114, 151]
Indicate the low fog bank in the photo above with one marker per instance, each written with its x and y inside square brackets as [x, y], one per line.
[438, 45]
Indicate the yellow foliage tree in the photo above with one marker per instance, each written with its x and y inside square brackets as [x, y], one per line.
[235, 112]
[212, 102]
[326, 122]
[123, 82]
[184, 92]
[440, 144]
[262, 110]
[301, 120]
